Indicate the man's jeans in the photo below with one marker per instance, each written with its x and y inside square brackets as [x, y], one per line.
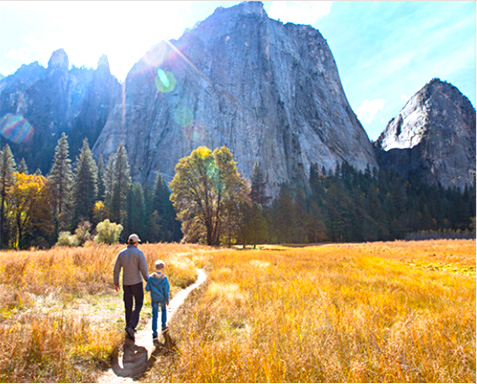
[155, 315]
[136, 293]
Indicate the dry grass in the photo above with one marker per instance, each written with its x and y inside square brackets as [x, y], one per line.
[60, 318]
[381, 312]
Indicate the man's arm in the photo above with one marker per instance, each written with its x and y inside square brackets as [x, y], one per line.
[143, 267]
[117, 270]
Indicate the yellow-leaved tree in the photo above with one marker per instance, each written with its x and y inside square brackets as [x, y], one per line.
[28, 208]
[206, 193]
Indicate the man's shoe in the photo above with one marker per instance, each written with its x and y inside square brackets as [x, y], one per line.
[165, 329]
[130, 333]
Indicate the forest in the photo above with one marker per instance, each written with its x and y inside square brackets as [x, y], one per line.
[342, 205]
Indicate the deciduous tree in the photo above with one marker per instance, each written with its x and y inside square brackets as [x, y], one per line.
[205, 187]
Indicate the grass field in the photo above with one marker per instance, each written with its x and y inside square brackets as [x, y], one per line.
[374, 312]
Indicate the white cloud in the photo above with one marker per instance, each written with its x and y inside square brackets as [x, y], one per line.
[368, 109]
[299, 12]
[31, 50]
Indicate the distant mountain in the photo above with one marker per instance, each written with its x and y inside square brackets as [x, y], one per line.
[432, 138]
[37, 104]
[268, 91]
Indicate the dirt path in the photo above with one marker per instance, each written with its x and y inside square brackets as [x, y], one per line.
[135, 356]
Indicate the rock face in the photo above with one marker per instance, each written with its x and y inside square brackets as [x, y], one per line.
[37, 104]
[432, 138]
[268, 91]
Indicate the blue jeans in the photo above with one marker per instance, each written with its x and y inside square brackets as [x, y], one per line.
[155, 315]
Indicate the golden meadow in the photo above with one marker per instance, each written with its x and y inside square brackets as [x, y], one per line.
[374, 312]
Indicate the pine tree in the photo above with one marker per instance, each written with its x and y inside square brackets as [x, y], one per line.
[85, 186]
[7, 169]
[136, 211]
[100, 178]
[108, 181]
[22, 167]
[170, 227]
[61, 181]
[257, 193]
[120, 186]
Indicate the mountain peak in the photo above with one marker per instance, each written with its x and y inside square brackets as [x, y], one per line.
[246, 7]
[103, 63]
[433, 136]
[59, 60]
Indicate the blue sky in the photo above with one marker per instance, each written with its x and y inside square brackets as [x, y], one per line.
[385, 50]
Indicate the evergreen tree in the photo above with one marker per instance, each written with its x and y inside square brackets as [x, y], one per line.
[253, 226]
[108, 181]
[22, 167]
[7, 169]
[101, 177]
[136, 211]
[120, 186]
[282, 216]
[85, 186]
[161, 203]
[61, 181]
[257, 193]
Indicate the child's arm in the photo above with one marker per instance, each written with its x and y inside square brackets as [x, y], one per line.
[148, 285]
[166, 296]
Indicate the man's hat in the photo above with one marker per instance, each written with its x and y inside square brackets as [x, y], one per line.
[133, 238]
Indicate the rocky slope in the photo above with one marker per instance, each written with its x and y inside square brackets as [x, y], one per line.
[268, 91]
[37, 104]
[432, 138]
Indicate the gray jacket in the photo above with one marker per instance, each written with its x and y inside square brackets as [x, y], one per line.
[133, 262]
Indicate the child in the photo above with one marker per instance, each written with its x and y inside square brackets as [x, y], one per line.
[158, 285]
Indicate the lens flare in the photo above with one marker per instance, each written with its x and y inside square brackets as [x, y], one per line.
[165, 81]
[195, 132]
[15, 128]
[183, 116]
[163, 77]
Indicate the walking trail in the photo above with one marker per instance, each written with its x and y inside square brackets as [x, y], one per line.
[136, 356]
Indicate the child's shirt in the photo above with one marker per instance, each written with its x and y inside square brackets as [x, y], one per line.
[158, 285]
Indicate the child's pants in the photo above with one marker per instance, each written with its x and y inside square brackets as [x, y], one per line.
[155, 315]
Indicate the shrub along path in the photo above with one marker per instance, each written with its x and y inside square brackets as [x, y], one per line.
[135, 357]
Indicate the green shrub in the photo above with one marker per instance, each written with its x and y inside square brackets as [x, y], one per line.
[66, 239]
[108, 232]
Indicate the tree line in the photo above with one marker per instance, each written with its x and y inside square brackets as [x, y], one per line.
[35, 209]
[217, 206]
[210, 202]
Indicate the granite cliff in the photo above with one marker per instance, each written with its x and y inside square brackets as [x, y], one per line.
[37, 104]
[432, 138]
[268, 91]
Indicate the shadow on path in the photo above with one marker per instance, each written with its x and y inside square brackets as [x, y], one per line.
[134, 358]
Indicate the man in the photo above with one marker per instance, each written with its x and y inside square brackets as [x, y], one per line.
[133, 263]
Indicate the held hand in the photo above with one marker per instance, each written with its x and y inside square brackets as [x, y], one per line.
[117, 288]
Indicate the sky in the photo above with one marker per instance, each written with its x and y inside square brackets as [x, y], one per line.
[386, 51]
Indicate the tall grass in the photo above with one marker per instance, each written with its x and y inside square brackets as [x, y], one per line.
[382, 312]
[60, 317]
